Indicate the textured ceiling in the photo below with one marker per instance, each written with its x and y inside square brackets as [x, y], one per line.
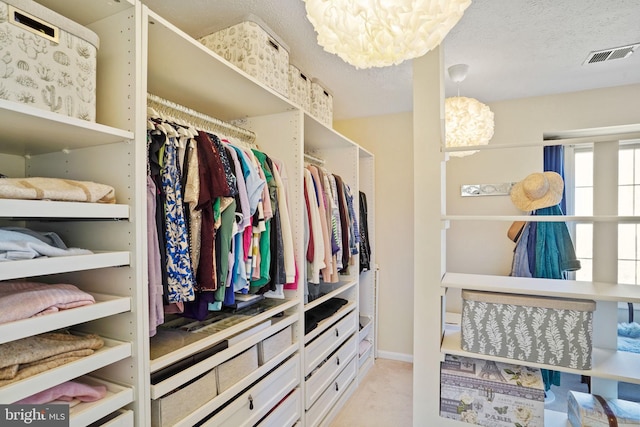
[514, 48]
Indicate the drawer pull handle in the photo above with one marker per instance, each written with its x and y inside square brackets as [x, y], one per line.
[337, 332]
[338, 361]
[336, 386]
[250, 403]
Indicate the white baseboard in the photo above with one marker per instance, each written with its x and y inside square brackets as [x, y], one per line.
[402, 357]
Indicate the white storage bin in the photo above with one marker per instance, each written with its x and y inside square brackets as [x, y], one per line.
[47, 61]
[299, 88]
[171, 408]
[274, 345]
[233, 370]
[256, 50]
[321, 103]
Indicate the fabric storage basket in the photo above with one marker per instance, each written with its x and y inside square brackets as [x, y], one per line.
[299, 88]
[233, 370]
[553, 331]
[274, 345]
[255, 49]
[591, 410]
[184, 400]
[491, 394]
[321, 103]
[47, 61]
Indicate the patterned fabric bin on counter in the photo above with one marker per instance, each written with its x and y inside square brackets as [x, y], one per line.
[595, 411]
[47, 61]
[492, 394]
[299, 88]
[553, 331]
[321, 103]
[253, 48]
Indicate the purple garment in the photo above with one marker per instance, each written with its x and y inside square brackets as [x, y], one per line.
[156, 309]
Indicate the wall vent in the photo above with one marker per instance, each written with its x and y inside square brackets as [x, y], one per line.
[610, 54]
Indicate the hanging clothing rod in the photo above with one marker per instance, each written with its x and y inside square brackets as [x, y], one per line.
[199, 120]
[313, 159]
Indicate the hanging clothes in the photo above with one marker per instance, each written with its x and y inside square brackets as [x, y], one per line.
[365, 248]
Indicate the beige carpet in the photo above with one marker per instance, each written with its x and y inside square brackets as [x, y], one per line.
[384, 398]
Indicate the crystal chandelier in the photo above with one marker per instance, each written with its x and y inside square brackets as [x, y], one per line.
[468, 122]
[379, 33]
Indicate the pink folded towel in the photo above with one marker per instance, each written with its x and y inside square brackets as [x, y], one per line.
[20, 300]
[67, 392]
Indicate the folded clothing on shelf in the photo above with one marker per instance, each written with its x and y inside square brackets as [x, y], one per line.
[68, 391]
[325, 310]
[21, 300]
[18, 243]
[66, 190]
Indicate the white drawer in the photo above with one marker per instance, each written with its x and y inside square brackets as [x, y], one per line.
[255, 403]
[331, 395]
[286, 413]
[328, 372]
[318, 350]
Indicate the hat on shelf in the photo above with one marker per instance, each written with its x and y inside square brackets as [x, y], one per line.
[538, 190]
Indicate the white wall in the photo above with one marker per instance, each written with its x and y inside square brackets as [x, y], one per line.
[390, 138]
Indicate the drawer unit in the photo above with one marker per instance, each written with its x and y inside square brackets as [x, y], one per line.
[249, 407]
[173, 407]
[286, 413]
[331, 394]
[318, 350]
[326, 374]
[233, 370]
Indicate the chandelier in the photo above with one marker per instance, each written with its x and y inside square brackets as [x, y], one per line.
[379, 33]
[468, 122]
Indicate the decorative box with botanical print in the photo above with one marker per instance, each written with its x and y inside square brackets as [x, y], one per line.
[491, 394]
[299, 88]
[321, 103]
[256, 50]
[47, 61]
[596, 411]
[553, 331]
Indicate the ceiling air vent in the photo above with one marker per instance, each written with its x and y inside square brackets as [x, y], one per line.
[611, 54]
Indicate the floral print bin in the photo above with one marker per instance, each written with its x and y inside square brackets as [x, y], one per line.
[491, 394]
[553, 331]
[53, 68]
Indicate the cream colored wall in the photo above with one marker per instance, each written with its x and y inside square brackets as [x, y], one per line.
[390, 138]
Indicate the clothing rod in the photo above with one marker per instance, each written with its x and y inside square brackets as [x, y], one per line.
[198, 119]
[313, 159]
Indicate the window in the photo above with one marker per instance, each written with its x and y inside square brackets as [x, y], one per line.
[628, 205]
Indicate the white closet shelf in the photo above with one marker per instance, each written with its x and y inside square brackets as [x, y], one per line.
[543, 287]
[186, 375]
[112, 351]
[13, 208]
[541, 218]
[342, 287]
[209, 340]
[105, 305]
[326, 323]
[42, 266]
[88, 412]
[609, 364]
[30, 131]
[238, 95]
[362, 357]
[366, 322]
[227, 395]
[119, 418]
[85, 13]
[317, 136]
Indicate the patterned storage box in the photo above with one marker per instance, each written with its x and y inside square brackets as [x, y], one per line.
[595, 411]
[321, 103]
[554, 331]
[253, 48]
[491, 394]
[46, 60]
[299, 88]
[233, 370]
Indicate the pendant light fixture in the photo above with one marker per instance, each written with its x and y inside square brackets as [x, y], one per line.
[379, 33]
[468, 122]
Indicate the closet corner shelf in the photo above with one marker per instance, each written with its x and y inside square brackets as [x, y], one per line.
[112, 351]
[43, 266]
[105, 305]
[609, 364]
[31, 131]
[598, 291]
[317, 135]
[228, 101]
[366, 322]
[540, 218]
[86, 413]
[35, 209]
[326, 323]
[342, 286]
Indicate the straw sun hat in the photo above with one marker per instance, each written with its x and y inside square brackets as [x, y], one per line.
[538, 190]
